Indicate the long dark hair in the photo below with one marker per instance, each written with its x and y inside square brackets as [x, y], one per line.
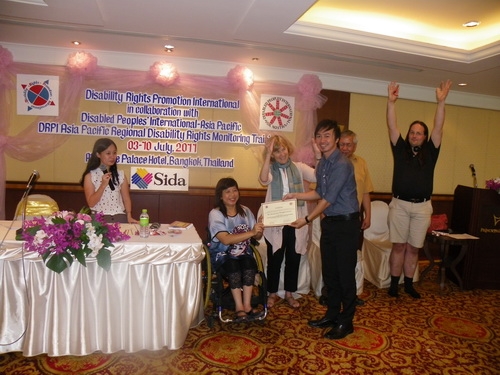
[94, 162]
[223, 184]
[422, 149]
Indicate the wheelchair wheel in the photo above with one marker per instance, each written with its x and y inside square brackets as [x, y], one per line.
[206, 276]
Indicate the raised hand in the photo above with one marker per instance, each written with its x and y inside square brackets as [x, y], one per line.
[442, 90]
[393, 91]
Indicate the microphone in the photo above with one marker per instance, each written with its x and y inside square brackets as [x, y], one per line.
[471, 166]
[472, 169]
[31, 182]
[105, 170]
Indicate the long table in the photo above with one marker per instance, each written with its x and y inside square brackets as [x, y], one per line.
[149, 298]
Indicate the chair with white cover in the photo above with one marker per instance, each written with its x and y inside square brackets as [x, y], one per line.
[377, 248]
[36, 205]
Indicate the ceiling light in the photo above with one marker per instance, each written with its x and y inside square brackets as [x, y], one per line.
[255, 59]
[462, 84]
[76, 42]
[471, 24]
[169, 48]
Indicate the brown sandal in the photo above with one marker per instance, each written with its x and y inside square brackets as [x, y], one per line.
[272, 300]
[292, 302]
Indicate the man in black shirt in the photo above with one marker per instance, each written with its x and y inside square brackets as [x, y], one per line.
[412, 183]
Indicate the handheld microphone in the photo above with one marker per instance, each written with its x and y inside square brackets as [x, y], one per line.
[105, 170]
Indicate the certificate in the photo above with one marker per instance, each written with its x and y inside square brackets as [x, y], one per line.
[279, 213]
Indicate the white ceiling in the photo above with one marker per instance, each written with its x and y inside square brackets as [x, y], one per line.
[414, 42]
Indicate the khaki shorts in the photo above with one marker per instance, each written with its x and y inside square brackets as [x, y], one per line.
[408, 222]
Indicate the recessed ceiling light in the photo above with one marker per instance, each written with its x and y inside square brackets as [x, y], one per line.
[471, 24]
[169, 48]
[462, 84]
[76, 42]
[255, 59]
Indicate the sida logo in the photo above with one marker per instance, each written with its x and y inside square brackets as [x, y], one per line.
[141, 178]
[277, 113]
[159, 179]
[37, 94]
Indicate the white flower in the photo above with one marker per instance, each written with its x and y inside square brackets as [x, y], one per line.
[95, 243]
[39, 237]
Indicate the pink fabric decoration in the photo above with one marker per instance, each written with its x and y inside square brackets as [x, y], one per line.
[82, 63]
[5, 57]
[240, 78]
[163, 73]
[310, 88]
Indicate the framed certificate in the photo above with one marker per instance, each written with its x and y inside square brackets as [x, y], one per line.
[279, 213]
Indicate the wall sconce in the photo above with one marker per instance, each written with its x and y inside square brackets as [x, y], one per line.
[163, 73]
[240, 78]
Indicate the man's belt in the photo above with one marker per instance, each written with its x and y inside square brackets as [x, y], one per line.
[413, 200]
[347, 217]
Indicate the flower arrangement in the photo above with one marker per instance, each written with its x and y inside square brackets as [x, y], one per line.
[493, 184]
[65, 236]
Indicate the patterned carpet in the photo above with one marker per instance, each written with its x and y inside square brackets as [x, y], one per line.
[446, 332]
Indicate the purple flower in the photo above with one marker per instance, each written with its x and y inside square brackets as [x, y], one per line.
[75, 235]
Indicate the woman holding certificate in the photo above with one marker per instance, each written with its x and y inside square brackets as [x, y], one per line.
[282, 176]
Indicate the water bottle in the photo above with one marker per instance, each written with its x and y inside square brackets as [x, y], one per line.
[144, 224]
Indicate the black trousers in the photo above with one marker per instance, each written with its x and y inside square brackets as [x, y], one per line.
[292, 263]
[338, 246]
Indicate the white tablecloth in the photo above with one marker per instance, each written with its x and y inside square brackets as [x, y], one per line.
[149, 298]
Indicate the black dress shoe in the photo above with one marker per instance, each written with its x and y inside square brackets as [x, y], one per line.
[339, 331]
[359, 302]
[323, 322]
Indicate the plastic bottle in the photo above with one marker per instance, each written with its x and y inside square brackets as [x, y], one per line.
[144, 224]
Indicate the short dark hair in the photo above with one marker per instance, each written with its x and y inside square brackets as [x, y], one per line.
[328, 125]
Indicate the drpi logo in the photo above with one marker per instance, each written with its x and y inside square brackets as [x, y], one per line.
[277, 112]
[37, 95]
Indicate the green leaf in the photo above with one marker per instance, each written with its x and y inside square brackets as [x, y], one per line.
[58, 220]
[85, 210]
[104, 259]
[59, 262]
[80, 256]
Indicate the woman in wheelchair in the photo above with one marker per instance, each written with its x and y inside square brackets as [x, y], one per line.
[232, 226]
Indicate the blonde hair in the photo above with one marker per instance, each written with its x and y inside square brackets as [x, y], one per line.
[280, 141]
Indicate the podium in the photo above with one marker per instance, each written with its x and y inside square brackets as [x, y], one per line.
[477, 212]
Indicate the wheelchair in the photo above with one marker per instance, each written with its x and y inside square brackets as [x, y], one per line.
[218, 300]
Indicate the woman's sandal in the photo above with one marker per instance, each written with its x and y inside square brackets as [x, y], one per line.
[292, 302]
[272, 300]
[255, 314]
[241, 316]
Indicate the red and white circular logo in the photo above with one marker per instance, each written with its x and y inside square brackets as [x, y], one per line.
[277, 112]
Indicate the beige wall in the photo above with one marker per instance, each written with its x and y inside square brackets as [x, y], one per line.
[470, 136]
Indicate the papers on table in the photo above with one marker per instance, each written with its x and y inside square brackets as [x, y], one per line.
[456, 236]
